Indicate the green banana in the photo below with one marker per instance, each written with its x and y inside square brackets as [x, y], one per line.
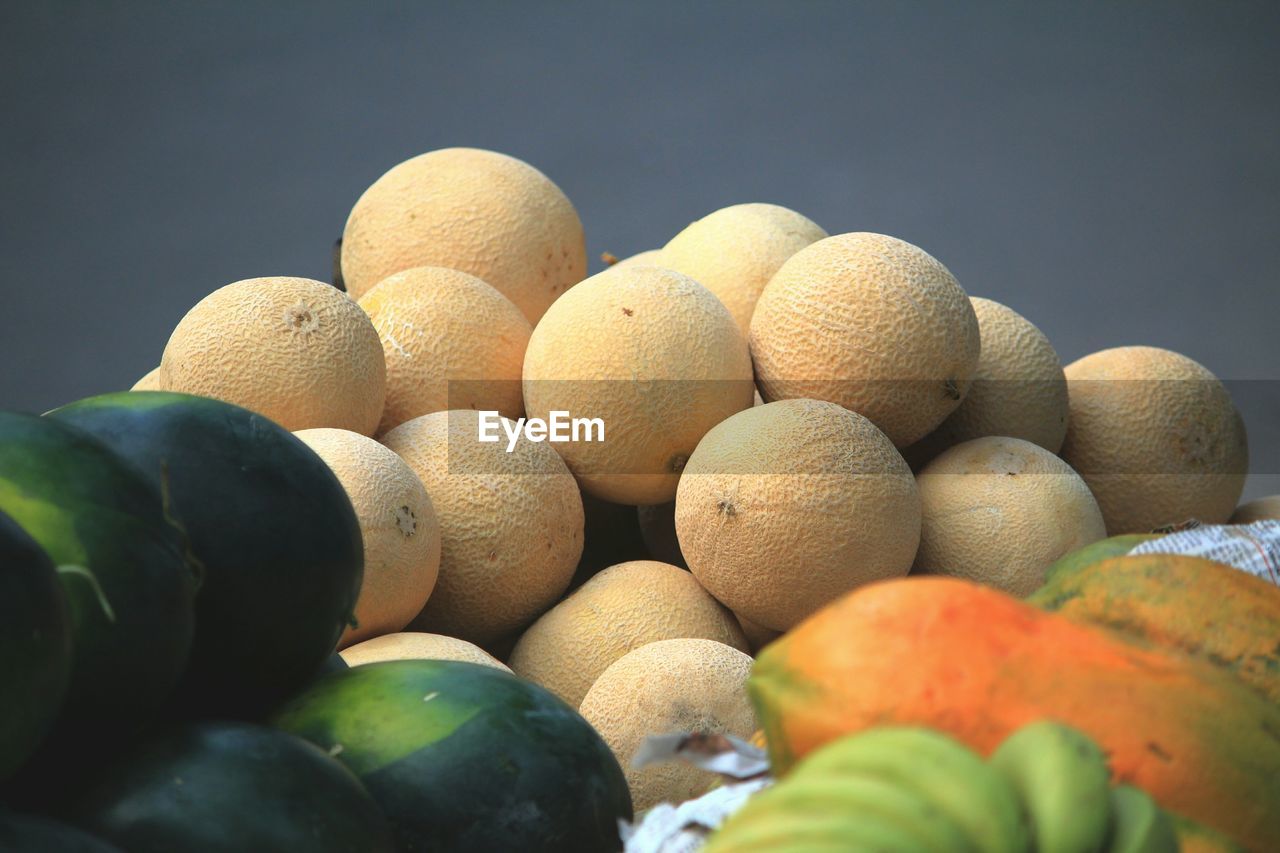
[800, 832]
[1062, 778]
[940, 770]
[871, 798]
[1138, 824]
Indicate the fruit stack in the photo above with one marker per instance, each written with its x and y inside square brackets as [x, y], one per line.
[332, 578]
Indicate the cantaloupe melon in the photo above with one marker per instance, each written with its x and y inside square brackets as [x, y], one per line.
[685, 685]
[654, 356]
[1262, 509]
[1018, 389]
[647, 258]
[398, 526]
[510, 525]
[786, 506]
[734, 251]
[477, 211]
[1156, 437]
[153, 380]
[620, 609]
[1000, 511]
[450, 341]
[298, 351]
[872, 323]
[414, 645]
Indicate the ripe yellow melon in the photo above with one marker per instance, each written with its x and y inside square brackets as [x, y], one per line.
[510, 525]
[686, 685]
[1018, 390]
[450, 341]
[411, 645]
[298, 351]
[151, 381]
[648, 258]
[872, 323]
[1156, 437]
[1000, 511]
[652, 354]
[397, 523]
[1262, 509]
[734, 251]
[784, 507]
[480, 212]
[621, 608]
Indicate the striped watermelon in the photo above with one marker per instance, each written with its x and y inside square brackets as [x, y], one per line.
[270, 524]
[35, 645]
[122, 567]
[467, 757]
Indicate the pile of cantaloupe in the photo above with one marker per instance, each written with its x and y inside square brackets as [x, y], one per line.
[795, 414]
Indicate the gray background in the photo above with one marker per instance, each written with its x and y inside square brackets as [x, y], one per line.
[1110, 170]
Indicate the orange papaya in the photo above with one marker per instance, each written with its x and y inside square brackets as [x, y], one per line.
[978, 664]
[1187, 604]
[1197, 838]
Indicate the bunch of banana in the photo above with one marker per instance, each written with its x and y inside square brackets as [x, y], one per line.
[1046, 789]
[1062, 779]
[893, 788]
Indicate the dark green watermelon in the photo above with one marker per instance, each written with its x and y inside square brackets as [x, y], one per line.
[35, 645]
[466, 757]
[127, 582]
[26, 834]
[218, 787]
[272, 526]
